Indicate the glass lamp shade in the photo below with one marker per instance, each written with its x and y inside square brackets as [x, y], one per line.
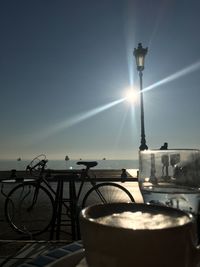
[139, 54]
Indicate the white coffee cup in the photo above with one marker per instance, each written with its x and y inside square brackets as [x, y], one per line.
[116, 241]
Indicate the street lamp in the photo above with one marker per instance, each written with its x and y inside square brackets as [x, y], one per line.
[140, 54]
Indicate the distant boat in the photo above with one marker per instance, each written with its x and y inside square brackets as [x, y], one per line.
[66, 158]
[104, 158]
[19, 159]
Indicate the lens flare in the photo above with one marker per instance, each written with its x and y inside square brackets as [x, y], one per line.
[73, 121]
[132, 96]
[174, 76]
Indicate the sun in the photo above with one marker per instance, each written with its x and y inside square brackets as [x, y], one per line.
[132, 96]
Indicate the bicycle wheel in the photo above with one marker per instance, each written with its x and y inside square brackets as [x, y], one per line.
[26, 215]
[107, 193]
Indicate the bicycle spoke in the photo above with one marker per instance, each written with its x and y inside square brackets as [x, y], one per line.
[101, 195]
[107, 193]
[28, 213]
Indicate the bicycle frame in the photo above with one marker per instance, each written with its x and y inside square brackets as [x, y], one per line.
[69, 207]
[82, 174]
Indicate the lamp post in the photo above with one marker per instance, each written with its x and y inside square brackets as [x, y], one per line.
[140, 54]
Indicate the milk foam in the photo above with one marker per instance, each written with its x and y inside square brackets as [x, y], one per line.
[142, 220]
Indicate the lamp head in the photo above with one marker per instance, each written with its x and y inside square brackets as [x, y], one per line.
[140, 54]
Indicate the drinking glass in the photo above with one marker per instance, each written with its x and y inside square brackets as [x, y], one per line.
[171, 178]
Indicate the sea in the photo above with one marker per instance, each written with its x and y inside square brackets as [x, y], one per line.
[6, 165]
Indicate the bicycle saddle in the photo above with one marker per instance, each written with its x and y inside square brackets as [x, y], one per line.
[88, 164]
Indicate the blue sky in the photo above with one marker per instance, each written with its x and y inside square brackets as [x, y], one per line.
[61, 60]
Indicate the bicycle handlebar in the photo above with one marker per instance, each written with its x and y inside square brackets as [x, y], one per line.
[41, 163]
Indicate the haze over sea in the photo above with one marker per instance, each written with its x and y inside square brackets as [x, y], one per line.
[70, 164]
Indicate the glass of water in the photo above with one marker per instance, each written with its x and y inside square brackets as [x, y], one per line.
[171, 178]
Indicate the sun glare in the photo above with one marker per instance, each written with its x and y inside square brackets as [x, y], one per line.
[131, 96]
[194, 67]
[74, 120]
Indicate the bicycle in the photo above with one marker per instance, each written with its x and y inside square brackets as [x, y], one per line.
[27, 204]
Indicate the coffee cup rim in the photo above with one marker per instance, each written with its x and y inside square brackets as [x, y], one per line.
[86, 214]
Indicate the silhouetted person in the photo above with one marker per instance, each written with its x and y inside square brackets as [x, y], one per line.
[164, 147]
